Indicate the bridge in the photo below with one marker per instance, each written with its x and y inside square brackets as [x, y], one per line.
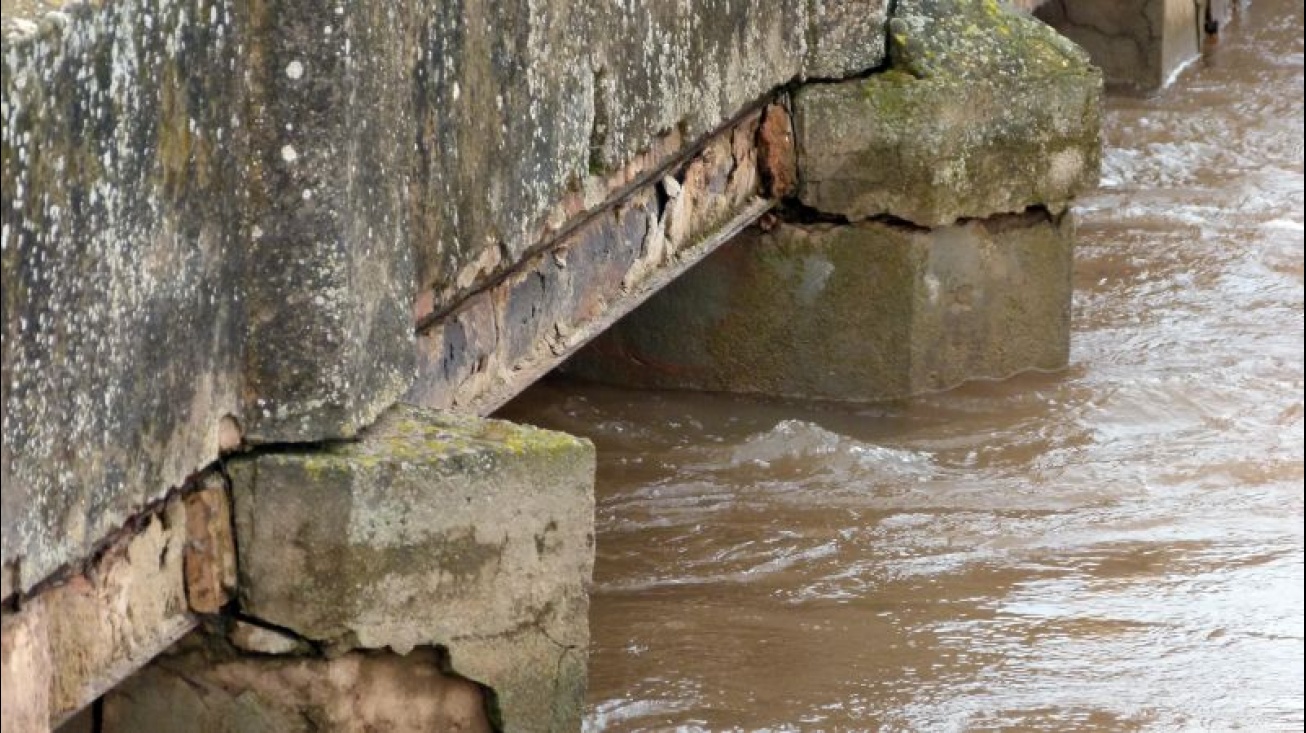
[269, 267]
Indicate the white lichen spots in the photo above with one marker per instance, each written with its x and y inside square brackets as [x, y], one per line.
[256, 232]
[295, 70]
[457, 91]
[340, 10]
[288, 153]
[326, 31]
[308, 194]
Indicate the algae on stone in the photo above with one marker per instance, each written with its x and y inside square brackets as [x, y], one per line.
[983, 111]
[976, 40]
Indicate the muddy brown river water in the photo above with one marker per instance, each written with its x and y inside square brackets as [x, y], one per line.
[1115, 547]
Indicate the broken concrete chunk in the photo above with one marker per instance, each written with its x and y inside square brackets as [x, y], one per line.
[433, 529]
[984, 111]
[865, 312]
[262, 640]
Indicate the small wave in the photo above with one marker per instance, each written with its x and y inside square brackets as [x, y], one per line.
[797, 443]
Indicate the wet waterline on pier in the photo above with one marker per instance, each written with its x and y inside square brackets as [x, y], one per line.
[1115, 547]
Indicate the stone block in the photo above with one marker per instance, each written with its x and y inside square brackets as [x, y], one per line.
[862, 312]
[843, 36]
[1139, 44]
[432, 530]
[983, 111]
[358, 692]
[25, 672]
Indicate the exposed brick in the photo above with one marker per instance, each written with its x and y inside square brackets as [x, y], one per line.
[123, 611]
[25, 672]
[210, 559]
[776, 161]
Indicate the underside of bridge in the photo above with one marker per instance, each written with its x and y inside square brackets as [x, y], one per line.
[268, 267]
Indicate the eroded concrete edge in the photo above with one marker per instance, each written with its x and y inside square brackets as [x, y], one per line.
[501, 339]
[86, 630]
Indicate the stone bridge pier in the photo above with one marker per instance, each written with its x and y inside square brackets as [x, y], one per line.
[1139, 44]
[268, 268]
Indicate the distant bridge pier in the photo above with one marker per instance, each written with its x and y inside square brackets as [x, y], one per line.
[1139, 44]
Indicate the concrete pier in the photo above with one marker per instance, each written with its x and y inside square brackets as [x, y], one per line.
[1139, 44]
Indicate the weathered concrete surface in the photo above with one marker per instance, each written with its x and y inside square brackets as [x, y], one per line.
[1139, 44]
[25, 672]
[329, 282]
[868, 311]
[121, 255]
[983, 111]
[433, 530]
[85, 634]
[501, 340]
[358, 692]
